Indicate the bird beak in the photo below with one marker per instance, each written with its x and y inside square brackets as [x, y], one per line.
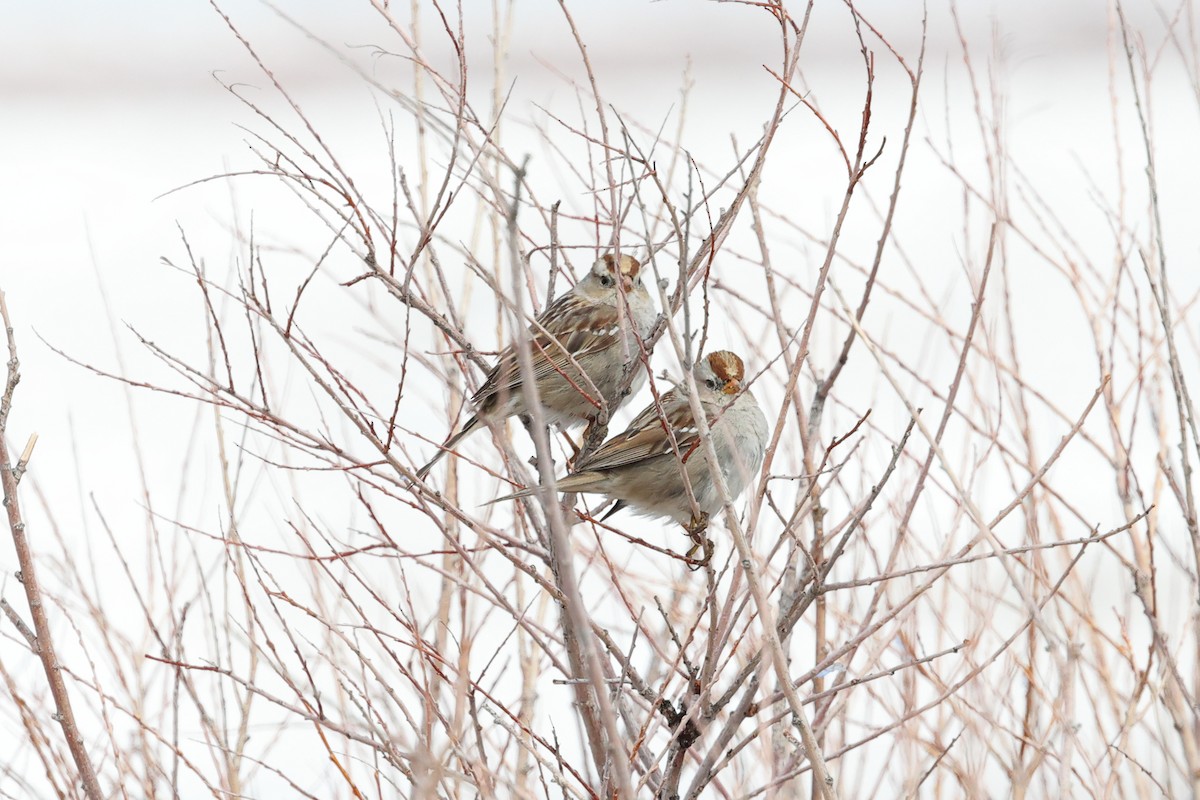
[731, 387]
[627, 283]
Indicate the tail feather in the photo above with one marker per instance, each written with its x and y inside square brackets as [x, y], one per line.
[582, 482]
[617, 506]
[448, 446]
[526, 492]
[579, 482]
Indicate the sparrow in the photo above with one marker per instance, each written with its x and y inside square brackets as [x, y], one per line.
[643, 467]
[595, 325]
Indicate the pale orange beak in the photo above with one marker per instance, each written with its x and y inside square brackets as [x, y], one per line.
[731, 387]
[627, 283]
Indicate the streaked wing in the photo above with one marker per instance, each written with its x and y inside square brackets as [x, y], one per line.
[646, 437]
[564, 333]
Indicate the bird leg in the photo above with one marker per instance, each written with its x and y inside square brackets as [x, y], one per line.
[574, 449]
[591, 437]
[697, 526]
[695, 530]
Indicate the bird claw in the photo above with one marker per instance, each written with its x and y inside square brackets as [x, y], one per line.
[697, 526]
[695, 531]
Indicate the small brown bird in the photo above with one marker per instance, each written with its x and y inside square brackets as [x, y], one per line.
[594, 325]
[643, 467]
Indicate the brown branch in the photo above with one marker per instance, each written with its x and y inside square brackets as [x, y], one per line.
[43, 644]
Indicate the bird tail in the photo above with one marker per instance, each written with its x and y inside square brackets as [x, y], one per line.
[579, 482]
[617, 506]
[526, 492]
[449, 445]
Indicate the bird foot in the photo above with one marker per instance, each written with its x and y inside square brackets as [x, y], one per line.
[695, 530]
[697, 526]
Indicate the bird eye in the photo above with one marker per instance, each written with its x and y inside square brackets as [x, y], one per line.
[606, 280]
[712, 383]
